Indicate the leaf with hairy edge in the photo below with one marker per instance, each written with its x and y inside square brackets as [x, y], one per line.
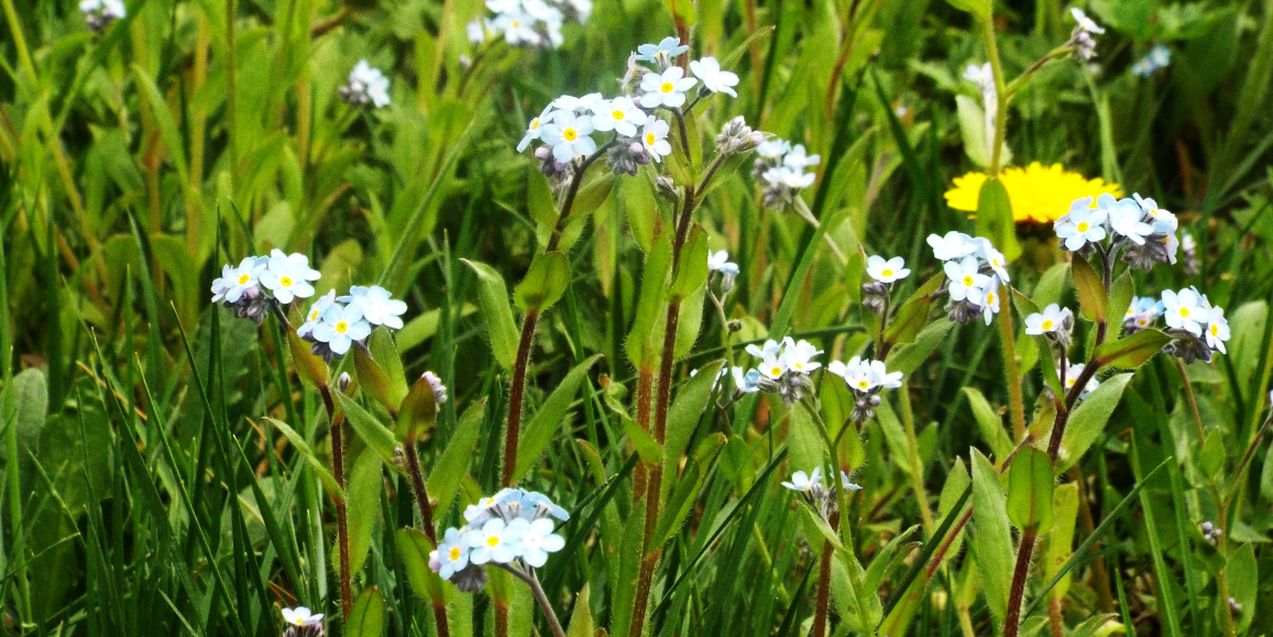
[992, 548]
[418, 413]
[544, 283]
[380, 369]
[546, 423]
[691, 269]
[444, 476]
[581, 624]
[994, 218]
[368, 427]
[364, 490]
[989, 422]
[1243, 571]
[1120, 296]
[492, 298]
[367, 619]
[309, 366]
[1089, 418]
[1132, 351]
[1065, 504]
[687, 409]
[303, 448]
[373, 379]
[909, 357]
[1092, 300]
[414, 548]
[639, 344]
[913, 313]
[1030, 490]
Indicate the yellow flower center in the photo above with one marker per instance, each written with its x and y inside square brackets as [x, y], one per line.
[243, 279]
[886, 272]
[649, 139]
[1142, 322]
[570, 134]
[667, 87]
[798, 366]
[863, 383]
[454, 553]
[776, 371]
[342, 327]
[990, 298]
[492, 541]
[1215, 329]
[1047, 325]
[517, 24]
[967, 280]
[285, 281]
[616, 113]
[534, 123]
[1184, 312]
[313, 315]
[1083, 226]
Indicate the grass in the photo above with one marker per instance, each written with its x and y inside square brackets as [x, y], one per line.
[168, 468]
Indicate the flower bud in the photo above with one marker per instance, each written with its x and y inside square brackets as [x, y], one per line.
[343, 381]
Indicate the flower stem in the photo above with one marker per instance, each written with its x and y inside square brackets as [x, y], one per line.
[342, 526]
[515, 396]
[1011, 372]
[426, 519]
[541, 598]
[1012, 619]
[824, 587]
[1001, 112]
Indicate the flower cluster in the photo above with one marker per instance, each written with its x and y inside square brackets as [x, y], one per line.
[1210, 532]
[809, 485]
[1054, 323]
[1157, 59]
[565, 127]
[302, 622]
[866, 378]
[780, 166]
[883, 273]
[1072, 373]
[1145, 232]
[1199, 329]
[974, 270]
[1142, 314]
[1083, 37]
[784, 369]
[511, 526]
[366, 86]
[250, 287]
[334, 323]
[534, 23]
[99, 14]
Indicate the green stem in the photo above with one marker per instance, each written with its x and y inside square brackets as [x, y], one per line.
[1011, 371]
[1001, 112]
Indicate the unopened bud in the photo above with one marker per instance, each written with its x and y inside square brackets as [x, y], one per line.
[343, 381]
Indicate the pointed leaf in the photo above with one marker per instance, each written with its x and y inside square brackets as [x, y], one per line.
[1030, 490]
[544, 283]
[492, 297]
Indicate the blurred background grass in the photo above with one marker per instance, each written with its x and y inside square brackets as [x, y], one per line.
[144, 494]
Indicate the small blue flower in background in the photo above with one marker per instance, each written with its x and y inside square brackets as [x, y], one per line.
[1157, 59]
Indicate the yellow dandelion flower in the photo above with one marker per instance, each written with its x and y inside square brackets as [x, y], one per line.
[1039, 194]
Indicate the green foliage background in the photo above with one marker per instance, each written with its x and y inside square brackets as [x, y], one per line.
[153, 483]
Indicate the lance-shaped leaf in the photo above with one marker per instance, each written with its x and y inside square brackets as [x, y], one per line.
[418, 413]
[544, 283]
[691, 269]
[1130, 352]
[492, 297]
[413, 548]
[380, 369]
[1065, 504]
[1120, 296]
[1093, 302]
[911, 316]
[994, 217]
[992, 546]
[581, 618]
[367, 618]
[549, 419]
[309, 366]
[368, 427]
[1030, 490]
[1088, 419]
[307, 452]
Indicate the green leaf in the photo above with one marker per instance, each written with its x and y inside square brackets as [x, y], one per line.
[687, 410]
[646, 446]
[913, 313]
[544, 283]
[989, 422]
[581, 624]
[691, 270]
[1030, 490]
[979, 8]
[992, 547]
[418, 413]
[1211, 460]
[367, 618]
[373, 379]
[547, 422]
[444, 476]
[303, 448]
[1065, 504]
[1131, 351]
[910, 356]
[380, 369]
[592, 195]
[369, 429]
[364, 489]
[492, 297]
[994, 218]
[414, 548]
[1244, 582]
[640, 342]
[1092, 300]
[308, 366]
[1120, 296]
[1089, 418]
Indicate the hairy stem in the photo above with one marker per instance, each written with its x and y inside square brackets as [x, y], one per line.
[1012, 619]
[342, 522]
[426, 518]
[1011, 370]
[516, 394]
